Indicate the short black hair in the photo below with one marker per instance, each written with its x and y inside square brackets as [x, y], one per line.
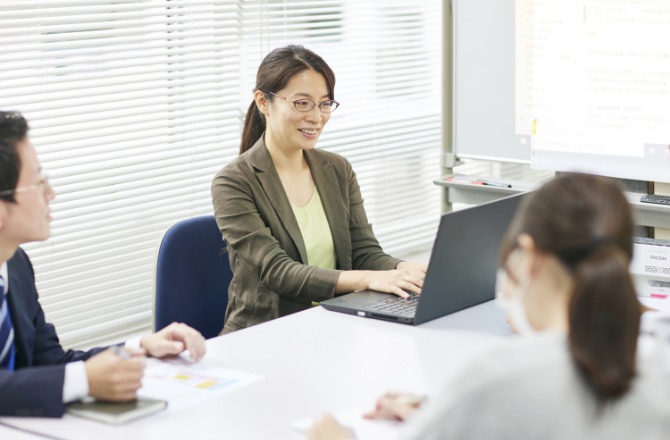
[13, 130]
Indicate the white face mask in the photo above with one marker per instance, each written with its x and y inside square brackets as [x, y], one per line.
[513, 304]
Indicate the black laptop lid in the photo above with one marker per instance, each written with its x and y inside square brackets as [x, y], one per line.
[466, 255]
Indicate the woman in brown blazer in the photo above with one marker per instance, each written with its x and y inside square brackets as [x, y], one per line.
[291, 215]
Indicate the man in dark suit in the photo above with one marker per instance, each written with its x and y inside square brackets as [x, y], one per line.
[37, 376]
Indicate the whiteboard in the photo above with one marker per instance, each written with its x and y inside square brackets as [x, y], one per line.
[570, 85]
[483, 82]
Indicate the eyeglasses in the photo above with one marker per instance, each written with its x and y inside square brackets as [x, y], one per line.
[10, 115]
[305, 105]
[43, 184]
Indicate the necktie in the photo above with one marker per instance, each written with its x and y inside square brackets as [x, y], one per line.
[6, 332]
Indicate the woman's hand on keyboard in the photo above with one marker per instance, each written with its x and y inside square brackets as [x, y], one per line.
[396, 281]
[418, 269]
[407, 277]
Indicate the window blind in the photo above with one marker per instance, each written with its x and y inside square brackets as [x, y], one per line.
[134, 105]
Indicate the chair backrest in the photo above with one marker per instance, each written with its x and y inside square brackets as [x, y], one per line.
[192, 276]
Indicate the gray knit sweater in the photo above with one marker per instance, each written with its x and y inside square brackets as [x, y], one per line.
[530, 389]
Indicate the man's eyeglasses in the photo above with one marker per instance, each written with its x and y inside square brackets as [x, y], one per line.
[42, 184]
[10, 115]
[305, 105]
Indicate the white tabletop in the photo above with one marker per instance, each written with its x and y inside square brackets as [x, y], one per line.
[9, 433]
[311, 362]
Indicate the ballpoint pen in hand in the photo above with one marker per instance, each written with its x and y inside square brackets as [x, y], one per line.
[121, 352]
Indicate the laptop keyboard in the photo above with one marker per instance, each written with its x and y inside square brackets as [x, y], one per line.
[398, 306]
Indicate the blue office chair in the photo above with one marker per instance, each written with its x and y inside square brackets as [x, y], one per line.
[192, 276]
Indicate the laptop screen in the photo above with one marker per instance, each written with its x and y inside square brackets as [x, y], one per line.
[464, 258]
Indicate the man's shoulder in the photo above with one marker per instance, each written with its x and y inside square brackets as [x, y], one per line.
[19, 260]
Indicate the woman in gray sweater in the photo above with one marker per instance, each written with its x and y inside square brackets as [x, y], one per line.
[565, 285]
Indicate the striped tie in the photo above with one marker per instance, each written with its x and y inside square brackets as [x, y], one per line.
[6, 332]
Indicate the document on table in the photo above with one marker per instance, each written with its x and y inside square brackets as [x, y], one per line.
[183, 383]
[179, 381]
[364, 429]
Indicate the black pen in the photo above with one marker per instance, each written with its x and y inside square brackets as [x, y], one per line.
[496, 184]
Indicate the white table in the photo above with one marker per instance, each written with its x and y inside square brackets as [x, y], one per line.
[8, 433]
[312, 362]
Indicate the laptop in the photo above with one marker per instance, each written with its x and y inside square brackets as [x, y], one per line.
[461, 272]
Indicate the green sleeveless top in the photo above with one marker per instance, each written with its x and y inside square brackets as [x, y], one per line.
[316, 233]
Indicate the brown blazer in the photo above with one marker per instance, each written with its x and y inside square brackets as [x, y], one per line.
[266, 249]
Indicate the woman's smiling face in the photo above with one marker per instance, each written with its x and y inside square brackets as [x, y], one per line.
[286, 127]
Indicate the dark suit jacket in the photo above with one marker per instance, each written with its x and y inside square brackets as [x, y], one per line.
[35, 388]
[268, 258]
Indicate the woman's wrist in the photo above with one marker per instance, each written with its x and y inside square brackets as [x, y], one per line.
[352, 280]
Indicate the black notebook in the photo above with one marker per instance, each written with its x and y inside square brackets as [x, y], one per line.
[115, 413]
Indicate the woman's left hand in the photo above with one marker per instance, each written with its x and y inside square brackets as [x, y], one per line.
[327, 428]
[174, 339]
[395, 406]
[416, 269]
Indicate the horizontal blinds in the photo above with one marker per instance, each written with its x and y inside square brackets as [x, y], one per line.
[386, 57]
[134, 105]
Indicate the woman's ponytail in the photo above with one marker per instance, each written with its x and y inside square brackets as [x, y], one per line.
[604, 317]
[254, 126]
[587, 223]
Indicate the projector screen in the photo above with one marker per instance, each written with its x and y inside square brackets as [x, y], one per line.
[590, 89]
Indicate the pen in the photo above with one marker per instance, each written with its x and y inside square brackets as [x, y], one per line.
[496, 184]
[121, 352]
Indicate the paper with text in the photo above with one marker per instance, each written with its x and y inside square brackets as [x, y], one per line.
[183, 383]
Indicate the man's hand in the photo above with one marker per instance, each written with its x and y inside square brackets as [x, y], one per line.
[113, 377]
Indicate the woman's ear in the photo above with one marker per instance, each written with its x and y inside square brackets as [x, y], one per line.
[261, 102]
[533, 256]
[525, 242]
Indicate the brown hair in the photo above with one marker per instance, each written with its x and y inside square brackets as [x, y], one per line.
[275, 71]
[586, 222]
